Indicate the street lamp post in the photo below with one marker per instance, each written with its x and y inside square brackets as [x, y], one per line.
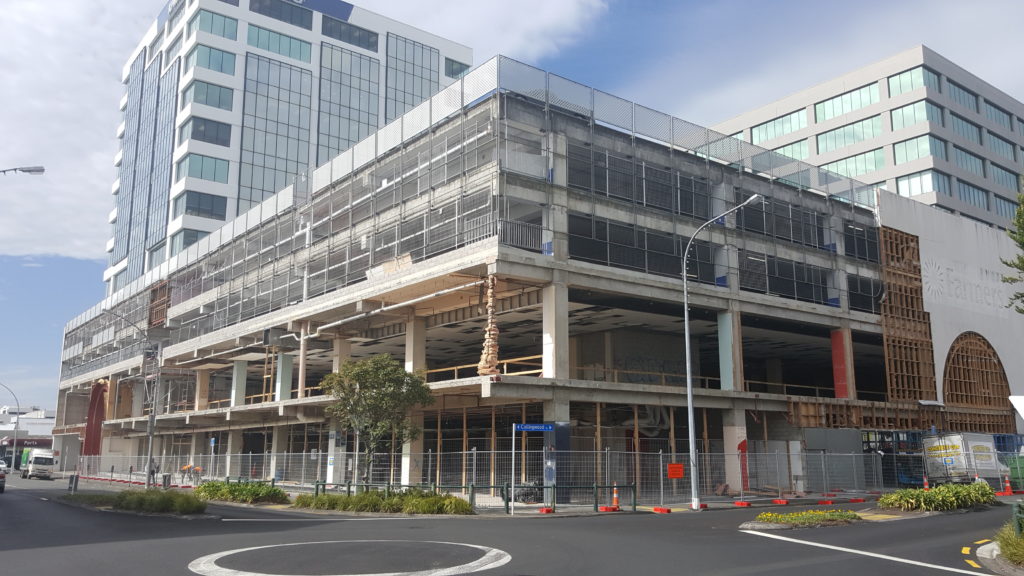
[14, 445]
[151, 391]
[694, 486]
[33, 170]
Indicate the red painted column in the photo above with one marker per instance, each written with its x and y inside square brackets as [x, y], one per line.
[842, 364]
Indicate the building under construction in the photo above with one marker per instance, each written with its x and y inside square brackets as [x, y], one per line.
[519, 237]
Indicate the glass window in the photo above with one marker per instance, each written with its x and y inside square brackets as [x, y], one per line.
[963, 96]
[202, 167]
[279, 43]
[779, 127]
[913, 79]
[283, 11]
[1004, 148]
[213, 23]
[850, 134]
[200, 204]
[1004, 207]
[847, 102]
[859, 164]
[998, 115]
[454, 68]
[968, 161]
[208, 94]
[205, 130]
[920, 147]
[797, 150]
[210, 58]
[923, 183]
[349, 33]
[914, 113]
[1005, 178]
[173, 49]
[972, 194]
[965, 128]
[182, 239]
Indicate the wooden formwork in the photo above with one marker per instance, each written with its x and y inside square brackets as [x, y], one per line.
[906, 326]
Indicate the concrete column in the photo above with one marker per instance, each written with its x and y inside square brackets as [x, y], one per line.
[138, 398]
[842, 363]
[734, 433]
[278, 447]
[196, 449]
[555, 346]
[557, 409]
[342, 352]
[283, 378]
[202, 389]
[303, 346]
[412, 455]
[232, 458]
[238, 376]
[415, 343]
[110, 400]
[730, 350]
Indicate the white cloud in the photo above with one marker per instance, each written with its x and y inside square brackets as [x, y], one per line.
[782, 48]
[525, 29]
[62, 64]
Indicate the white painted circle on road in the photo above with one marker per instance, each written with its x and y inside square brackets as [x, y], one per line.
[492, 558]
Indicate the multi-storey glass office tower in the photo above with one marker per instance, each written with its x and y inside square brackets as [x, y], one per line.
[226, 101]
[915, 123]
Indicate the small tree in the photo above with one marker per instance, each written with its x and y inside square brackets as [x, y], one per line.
[374, 397]
[1017, 263]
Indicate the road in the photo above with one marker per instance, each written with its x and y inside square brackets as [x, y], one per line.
[41, 536]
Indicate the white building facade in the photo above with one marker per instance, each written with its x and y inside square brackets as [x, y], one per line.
[915, 123]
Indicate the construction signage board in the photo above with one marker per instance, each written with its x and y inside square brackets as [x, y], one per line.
[676, 470]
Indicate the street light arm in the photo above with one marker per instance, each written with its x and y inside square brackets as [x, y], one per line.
[712, 221]
[33, 170]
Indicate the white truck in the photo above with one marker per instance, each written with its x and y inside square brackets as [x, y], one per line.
[40, 464]
[962, 458]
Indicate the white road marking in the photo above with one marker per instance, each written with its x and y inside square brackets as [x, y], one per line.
[314, 519]
[492, 558]
[862, 553]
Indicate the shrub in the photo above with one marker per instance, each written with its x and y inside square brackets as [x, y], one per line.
[809, 517]
[1011, 546]
[944, 497]
[158, 502]
[409, 502]
[244, 492]
[95, 500]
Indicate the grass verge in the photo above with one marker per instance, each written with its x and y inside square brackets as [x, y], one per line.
[1011, 546]
[407, 502]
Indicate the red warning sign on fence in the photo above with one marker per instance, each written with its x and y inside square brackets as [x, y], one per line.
[675, 470]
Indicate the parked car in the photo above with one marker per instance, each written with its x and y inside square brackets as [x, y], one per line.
[3, 481]
[4, 467]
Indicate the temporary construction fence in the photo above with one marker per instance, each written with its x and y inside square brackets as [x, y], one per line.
[558, 477]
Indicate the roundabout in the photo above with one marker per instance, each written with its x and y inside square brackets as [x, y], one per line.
[352, 558]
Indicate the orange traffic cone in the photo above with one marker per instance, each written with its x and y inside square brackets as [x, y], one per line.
[926, 483]
[1009, 489]
[615, 494]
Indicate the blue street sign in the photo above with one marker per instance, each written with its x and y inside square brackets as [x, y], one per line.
[533, 427]
[213, 441]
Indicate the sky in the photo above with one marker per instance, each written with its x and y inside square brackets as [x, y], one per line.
[699, 60]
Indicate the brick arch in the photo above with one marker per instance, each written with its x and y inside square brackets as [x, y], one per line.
[974, 378]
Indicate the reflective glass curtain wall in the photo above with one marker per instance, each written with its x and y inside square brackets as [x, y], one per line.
[413, 75]
[275, 128]
[163, 151]
[349, 100]
[129, 145]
